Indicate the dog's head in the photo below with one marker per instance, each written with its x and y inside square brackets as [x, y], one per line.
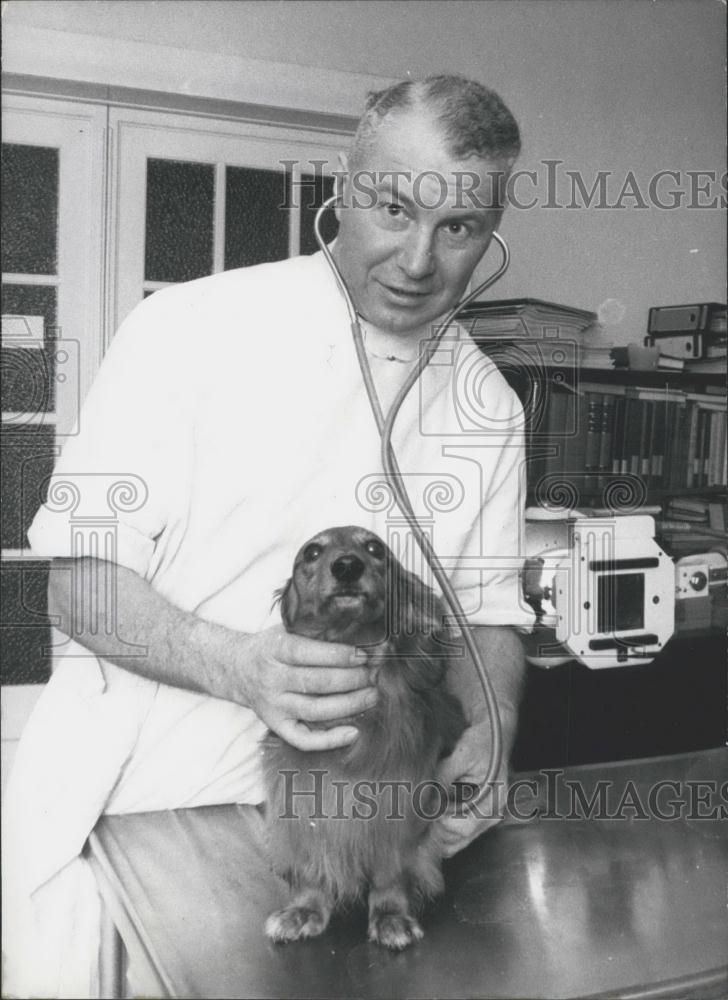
[347, 586]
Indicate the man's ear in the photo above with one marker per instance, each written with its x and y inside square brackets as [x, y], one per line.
[340, 180]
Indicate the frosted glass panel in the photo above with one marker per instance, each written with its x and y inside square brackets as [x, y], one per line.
[28, 383]
[24, 623]
[30, 209]
[256, 223]
[179, 220]
[28, 459]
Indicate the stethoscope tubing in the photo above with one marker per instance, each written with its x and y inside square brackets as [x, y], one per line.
[393, 475]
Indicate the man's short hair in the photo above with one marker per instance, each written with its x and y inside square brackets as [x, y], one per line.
[474, 119]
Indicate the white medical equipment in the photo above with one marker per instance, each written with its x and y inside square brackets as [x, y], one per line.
[607, 594]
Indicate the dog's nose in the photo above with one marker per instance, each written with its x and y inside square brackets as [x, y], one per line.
[347, 569]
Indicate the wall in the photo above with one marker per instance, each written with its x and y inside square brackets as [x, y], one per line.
[617, 86]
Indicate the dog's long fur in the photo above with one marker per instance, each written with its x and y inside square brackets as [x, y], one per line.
[330, 849]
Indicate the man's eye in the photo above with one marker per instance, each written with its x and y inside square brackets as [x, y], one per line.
[311, 552]
[375, 548]
[394, 210]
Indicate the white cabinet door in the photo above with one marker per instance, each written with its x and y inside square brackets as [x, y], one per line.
[193, 196]
[53, 239]
[52, 277]
[101, 207]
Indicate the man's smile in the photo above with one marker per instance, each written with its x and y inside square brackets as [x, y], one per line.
[404, 296]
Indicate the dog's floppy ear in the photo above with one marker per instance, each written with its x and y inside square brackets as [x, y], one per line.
[420, 630]
[287, 597]
[418, 609]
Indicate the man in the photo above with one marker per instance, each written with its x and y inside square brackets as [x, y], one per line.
[235, 407]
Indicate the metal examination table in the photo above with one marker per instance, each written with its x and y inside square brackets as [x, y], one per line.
[548, 907]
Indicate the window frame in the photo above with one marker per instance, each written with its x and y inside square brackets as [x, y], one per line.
[100, 271]
[79, 131]
[137, 134]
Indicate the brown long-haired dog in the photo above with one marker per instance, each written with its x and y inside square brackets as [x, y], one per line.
[345, 820]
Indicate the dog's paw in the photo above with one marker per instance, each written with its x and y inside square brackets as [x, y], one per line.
[394, 930]
[295, 922]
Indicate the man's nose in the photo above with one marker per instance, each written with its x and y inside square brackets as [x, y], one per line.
[417, 258]
[347, 569]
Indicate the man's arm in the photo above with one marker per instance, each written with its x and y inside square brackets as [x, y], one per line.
[502, 655]
[287, 680]
[501, 651]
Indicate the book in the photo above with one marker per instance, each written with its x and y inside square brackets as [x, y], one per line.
[596, 357]
[524, 318]
[717, 349]
[678, 515]
[666, 363]
[658, 443]
[691, 430]
[644, 464]
[717, 515]
[718, 436]
[706, 400]
[699, 318]
[679, 446]
[671, 438]
[688, 347]
[633, 436]
[689, 508]
[681, 527]
[706, 366]
[704, 457]
[556, 425]
[593, 420]
[575, 445]
[620, 403]
[677, 544]
[684, 345]
[606, 434]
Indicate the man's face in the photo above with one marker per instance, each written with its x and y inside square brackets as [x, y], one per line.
[413, 225]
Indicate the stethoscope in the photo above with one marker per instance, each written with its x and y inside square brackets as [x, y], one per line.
[393, 476]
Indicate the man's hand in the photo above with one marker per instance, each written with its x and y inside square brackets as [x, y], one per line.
[289, 681]
[468, 764]
[502, 654]
[286, 679]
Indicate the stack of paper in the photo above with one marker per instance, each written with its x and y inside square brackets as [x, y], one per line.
[510, 319]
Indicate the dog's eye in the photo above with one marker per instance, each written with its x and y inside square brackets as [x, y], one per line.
[311, 552]
[375, 548]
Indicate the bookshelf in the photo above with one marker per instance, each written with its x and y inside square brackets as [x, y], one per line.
[675, 470]
[625, 439]
[653, 378]
[676, 703]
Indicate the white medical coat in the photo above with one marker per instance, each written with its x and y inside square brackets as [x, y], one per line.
[227, 425]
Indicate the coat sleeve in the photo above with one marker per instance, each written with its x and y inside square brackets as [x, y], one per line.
[111, 490]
